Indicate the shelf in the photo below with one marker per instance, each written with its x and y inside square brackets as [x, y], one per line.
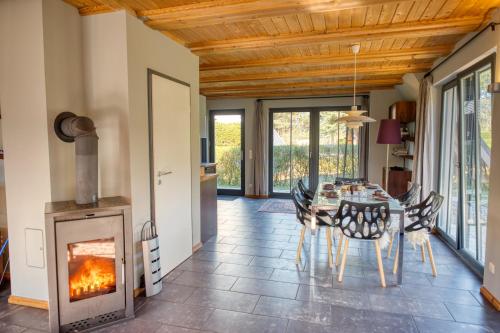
[408, 138]
[406, 157]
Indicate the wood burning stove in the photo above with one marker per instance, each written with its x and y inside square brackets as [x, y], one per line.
[89, 256]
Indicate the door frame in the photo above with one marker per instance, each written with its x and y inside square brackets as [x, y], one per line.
[152, 179]
[211, 143]
[314, 139]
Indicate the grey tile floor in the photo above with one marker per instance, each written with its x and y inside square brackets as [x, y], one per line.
[246, 280]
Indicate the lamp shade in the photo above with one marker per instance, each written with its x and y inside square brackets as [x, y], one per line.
[389, 132]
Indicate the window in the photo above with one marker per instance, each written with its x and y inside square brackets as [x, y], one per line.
[465, 160]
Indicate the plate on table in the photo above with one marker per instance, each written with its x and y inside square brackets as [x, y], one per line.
[371, 187]
[378, 198]
[328, 187]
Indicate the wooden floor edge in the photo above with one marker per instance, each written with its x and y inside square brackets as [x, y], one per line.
[490, 298]
[139, 292]
[198, 246]
[30, 302]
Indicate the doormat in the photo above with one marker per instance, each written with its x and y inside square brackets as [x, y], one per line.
[278, 206]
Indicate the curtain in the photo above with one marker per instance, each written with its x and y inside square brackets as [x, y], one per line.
[260, 151]
[426, 139]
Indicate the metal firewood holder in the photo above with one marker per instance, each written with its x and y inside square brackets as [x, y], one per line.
[151, 256]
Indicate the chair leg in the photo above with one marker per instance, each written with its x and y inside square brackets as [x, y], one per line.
[431, 258]
[380, 264]
[389, 250]
[329, 244]
[422, 250]
[339, 249]
[396, 260]
[301, 241]
[344, 259]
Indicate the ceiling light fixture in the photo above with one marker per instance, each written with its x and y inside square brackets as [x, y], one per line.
[354, 118]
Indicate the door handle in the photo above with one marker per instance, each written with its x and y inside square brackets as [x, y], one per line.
[164, 173]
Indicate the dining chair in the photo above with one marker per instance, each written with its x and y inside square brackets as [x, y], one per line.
[304, 217]
[411, 196]
[306, 192]
[419, 222]
[364, 222]
[406, 199]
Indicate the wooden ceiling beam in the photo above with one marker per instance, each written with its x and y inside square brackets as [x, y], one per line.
[93, 10]
[207, 13]
[106, 7]
[301, 85]
[298, 93]
[432, 28]
[390, 55]
[345, 71]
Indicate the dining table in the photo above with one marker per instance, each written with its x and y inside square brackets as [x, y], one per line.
[324, 203]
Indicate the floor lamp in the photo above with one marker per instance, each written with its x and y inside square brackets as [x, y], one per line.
[389, 133]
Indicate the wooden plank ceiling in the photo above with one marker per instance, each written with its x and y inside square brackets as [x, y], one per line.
[263, 48]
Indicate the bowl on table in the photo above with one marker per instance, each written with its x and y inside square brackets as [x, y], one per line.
[329, 194]
[328, 187]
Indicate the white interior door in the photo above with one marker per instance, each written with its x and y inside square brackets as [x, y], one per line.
[170, 102]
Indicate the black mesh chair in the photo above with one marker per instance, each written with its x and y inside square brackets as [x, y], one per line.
[409, 198]
[344, 180]
[366, 222]
[419, 222]
[307, 193]
[406, 199]
[304, 217]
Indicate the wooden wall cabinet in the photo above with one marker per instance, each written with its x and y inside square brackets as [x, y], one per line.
[404, 111]
[398, 181]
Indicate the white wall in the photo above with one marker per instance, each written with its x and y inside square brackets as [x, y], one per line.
[380, 100]
[483, 46]
[62, 31]
[203, 117]
[25, 135]
[106, 95]
[147, 48]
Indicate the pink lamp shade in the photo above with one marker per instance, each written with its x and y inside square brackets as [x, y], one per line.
[389, 132]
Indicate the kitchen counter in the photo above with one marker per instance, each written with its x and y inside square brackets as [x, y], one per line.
[208, 203]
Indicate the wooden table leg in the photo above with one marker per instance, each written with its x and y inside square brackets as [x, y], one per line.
[401, 247]
[313, 220]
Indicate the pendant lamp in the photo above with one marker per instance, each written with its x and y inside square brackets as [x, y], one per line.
[354, 118]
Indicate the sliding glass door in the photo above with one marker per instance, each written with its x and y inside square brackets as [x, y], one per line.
[465, 160]
[307, 144]
[290, 150]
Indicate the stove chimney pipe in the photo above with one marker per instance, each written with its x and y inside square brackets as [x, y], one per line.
[81, 130]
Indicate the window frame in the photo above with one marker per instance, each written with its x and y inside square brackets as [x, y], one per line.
[459, 245]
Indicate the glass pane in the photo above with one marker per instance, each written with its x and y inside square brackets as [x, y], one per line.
[329, 137]
[450, 168]
[281, 152]
[227, 137]
[300, 147]
[339, 148]
[91, 268]
[469, 163]
[484, 107]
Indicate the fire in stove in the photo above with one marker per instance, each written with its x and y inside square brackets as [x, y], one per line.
[92, 269]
